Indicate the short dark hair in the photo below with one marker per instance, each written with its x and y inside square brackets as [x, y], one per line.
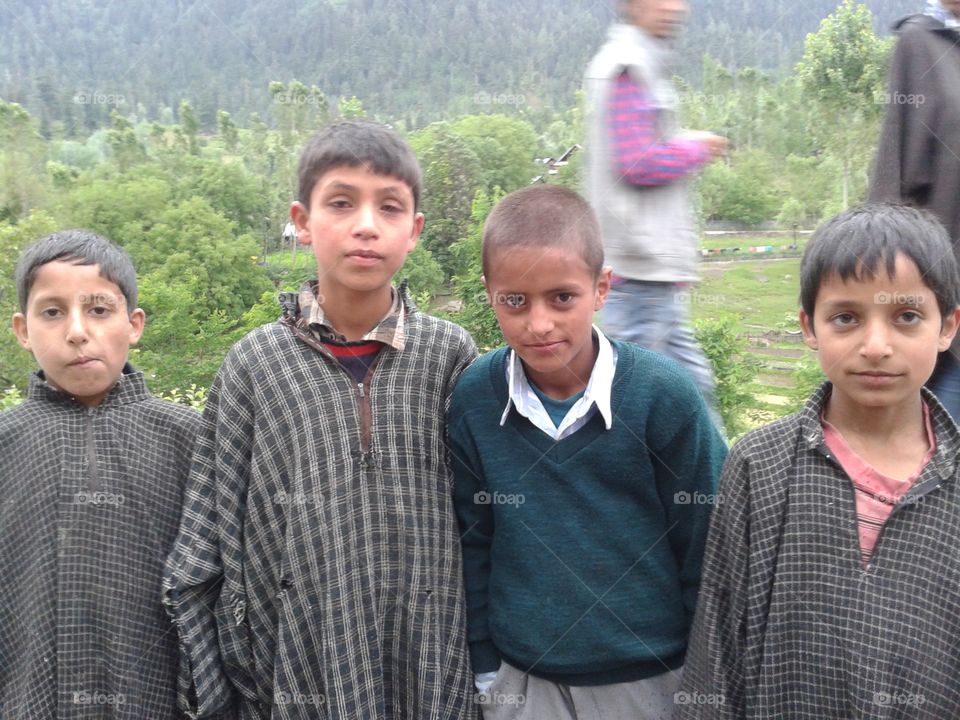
[856, 242]
[355, 143]
[544, 216]
[79, 247]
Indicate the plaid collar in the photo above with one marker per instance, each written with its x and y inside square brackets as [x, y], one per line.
[389, 331]
[130, 388]
[945, 429]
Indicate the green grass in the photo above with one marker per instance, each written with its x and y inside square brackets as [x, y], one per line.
[758, 292]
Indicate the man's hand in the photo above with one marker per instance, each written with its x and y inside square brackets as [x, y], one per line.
[716, 144]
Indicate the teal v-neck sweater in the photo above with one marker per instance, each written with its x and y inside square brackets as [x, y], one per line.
[582, 556]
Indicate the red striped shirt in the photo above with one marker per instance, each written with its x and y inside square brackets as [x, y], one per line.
[641, 156]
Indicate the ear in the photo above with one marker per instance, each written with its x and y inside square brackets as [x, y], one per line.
[948, 329]
[137, 320]
[809, 337]
[19, 322]
[418, 221]
[299, 214]
[603, 287]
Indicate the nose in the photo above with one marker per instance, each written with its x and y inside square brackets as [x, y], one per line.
[77, 328]
[876, 340]
[540, 321]
[365, 225]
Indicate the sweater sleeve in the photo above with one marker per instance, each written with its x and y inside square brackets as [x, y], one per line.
[209, 537]
[475, 516]
[903, 169]
[687, 468]
[640, 156]
[713, 675]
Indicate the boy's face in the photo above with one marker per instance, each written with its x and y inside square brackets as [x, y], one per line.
[361, 226]
[544, 300]
[878, 338]
[78, 328]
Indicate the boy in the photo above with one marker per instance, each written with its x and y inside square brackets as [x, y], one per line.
[319, 512]
[584, 471]
[830, 578]
[92, 469]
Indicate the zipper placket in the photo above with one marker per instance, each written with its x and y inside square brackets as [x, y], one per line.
[910, 499]
[365, 409]
[93, 473]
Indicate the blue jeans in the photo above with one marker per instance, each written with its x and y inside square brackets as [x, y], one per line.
[945, 383]
[654, 315]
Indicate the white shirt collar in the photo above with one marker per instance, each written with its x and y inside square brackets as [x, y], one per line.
[597, 393]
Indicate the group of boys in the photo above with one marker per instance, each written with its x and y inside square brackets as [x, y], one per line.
[369, 523]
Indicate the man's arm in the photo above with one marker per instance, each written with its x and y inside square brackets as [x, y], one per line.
[640, 156]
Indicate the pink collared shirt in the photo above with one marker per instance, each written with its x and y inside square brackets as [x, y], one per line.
[875, 493]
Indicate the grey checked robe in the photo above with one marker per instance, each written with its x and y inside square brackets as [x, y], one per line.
[318, 573]
[89, 509]
[790, 624]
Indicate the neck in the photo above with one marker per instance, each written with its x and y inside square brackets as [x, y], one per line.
[354, 314]
[877, 426]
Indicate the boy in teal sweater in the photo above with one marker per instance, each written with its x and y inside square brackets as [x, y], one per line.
[585, 472]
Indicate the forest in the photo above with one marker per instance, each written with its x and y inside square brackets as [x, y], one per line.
[195, 178]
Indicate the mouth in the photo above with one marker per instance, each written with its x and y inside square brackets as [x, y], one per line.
[82, 362]
[364, 258]
[545, 347]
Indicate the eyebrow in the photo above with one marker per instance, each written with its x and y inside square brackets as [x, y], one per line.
[346, 187]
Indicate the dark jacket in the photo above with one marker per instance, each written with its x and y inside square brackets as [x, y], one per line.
[90, 508]
[918, 161]
[317, 573]
[790, 624]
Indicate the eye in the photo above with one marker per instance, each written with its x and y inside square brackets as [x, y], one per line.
[392, 208]
[843, 319]
[50, 313]
[910, 317]
[339, 204]
[101, 310]
[565, 298]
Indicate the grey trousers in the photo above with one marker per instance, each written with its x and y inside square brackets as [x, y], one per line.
[515, 695]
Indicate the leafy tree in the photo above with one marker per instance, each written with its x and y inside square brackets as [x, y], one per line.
[15, 362]
[505, 146]
[22, 169]
[451, 175]
[843, 72]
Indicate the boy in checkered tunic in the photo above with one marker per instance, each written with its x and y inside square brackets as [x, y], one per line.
[830, 586]
[92, 471]
[319, 516]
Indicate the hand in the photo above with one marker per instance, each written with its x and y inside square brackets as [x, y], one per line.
[716, 145]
